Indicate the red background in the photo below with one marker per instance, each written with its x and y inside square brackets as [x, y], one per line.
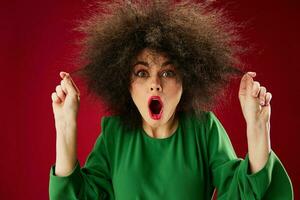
[37, 42]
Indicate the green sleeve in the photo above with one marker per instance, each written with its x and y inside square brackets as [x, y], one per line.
[93, 181]
[232, 176]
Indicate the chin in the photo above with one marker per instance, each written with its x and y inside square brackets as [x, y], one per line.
[157, 122]
[153, 122]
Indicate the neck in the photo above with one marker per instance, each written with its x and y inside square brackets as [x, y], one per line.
[163, 131]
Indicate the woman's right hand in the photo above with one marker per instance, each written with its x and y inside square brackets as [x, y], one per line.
[65, 104]
[65, 101]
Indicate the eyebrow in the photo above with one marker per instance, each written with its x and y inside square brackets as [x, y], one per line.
[147, 65]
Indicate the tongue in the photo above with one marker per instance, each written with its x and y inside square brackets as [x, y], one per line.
[155, 106]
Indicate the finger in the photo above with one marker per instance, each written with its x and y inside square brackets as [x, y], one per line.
[76, 88]
[60, 92]
[250, 81]
[262, 94]
[55, 98]
[65, 76]
[252, 74]
[243, 83]
[63, 86]
[268, 98]
[62, 82]
[62, 74]
[246, 82]
[255, 88]
[68, 86]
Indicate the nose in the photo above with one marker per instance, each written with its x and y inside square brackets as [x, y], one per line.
[155, 85]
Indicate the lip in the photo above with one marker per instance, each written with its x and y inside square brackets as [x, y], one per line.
[155, 116]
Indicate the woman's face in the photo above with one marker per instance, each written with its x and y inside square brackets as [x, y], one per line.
[156, 87]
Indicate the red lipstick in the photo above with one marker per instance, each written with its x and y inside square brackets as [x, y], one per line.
[155, 106]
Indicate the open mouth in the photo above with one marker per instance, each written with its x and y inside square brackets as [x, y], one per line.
[155, 107]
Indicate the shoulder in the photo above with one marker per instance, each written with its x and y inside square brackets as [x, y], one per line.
[112, 128]
[110, 122]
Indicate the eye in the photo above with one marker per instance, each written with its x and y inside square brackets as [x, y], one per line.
[141, 73]
[168, 73]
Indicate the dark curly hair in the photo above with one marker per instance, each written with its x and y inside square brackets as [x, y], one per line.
[200, 40]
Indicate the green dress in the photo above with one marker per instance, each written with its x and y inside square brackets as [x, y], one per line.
[197, 158]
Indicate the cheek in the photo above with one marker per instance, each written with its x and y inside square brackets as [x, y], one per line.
[135, 88]
[175, 89]
[136, 91]
[174, 94]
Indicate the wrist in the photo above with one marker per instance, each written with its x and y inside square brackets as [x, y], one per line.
[65, 125]
[258, 126]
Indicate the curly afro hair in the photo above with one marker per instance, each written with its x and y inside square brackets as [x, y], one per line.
[200, 40]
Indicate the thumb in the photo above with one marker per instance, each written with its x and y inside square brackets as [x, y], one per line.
[246, 83]
[249, 82]
[68, 84]
[66, 75]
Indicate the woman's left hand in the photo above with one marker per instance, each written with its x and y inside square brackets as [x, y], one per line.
[254, 100]
[256, 108]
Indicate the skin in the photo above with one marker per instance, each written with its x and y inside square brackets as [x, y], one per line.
[254, 101]
[65, 104]
[152, 78]
[256, 108]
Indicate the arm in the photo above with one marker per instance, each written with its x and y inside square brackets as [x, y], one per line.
[67, 179]
[261, 175]
[93, 181]
[232, 175]
[65, 104]
[256, 108]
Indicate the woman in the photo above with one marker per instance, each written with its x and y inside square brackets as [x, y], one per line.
[160, 67]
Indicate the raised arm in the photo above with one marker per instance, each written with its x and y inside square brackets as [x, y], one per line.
[65, 104]
[256, 108]
[260, 175]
